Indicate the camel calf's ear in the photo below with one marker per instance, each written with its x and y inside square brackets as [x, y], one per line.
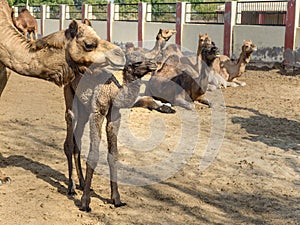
[73, 29]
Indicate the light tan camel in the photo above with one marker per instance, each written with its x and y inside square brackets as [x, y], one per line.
[179, 83]
[107, 97]
[58, 57]
[25, 23]
[232, 70]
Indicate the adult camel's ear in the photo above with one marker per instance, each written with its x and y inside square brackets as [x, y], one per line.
[73, 29]
[87, 22]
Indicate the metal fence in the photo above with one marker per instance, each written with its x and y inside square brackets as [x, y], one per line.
[205, 12]
[98, 12]
[126, 12]
[74, 12]
[161, 12]
[52, 11]
[262, 13]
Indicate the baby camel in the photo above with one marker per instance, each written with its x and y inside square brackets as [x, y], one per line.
[100, 96]
[231, 70]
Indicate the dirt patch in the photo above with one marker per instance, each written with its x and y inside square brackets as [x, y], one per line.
[254, 179]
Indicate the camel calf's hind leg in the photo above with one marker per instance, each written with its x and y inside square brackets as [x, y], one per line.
[112, 127]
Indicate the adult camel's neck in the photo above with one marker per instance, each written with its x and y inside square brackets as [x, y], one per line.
[159, 45]
[26, 58]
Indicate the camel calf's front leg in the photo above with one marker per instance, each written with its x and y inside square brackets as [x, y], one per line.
[112, 128]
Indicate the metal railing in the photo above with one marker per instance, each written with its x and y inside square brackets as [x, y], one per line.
[52, 11]
[126, 12]
[205, 12]
[74, 12]
[161, 12]
[98, 12]
[262, 13]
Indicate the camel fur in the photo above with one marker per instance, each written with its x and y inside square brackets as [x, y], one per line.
[230, 70]
[25, 23]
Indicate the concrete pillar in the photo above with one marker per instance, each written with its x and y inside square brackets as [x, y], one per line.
[292, 22]
[16, 11]
[84, 12]
[110, 20]
[62, 16]
[229, 22]
[142, 11]
[43, 18]
[180, 20]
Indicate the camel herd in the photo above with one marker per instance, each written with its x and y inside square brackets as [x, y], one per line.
[80, 61]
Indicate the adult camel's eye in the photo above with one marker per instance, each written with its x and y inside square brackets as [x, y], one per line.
[90, 46]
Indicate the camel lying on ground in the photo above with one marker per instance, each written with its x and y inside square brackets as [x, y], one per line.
[25, 23]
[232, 70]
[104, 101]
[58, 57]
[179, 83]
[175, 62]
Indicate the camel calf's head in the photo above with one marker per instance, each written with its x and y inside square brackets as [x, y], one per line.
[85, 47]
[134, 71]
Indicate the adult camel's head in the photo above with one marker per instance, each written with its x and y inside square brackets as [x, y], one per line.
[247, 49]
[165, 34]
[85, 48]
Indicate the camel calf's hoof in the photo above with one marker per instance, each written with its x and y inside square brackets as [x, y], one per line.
[85, 209]
[165, 109]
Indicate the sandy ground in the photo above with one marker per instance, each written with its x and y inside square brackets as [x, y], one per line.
[254, 178]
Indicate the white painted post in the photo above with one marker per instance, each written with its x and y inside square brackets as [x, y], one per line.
[62, 16]
[16, 11]
[188, 10]
[67, 15]
[43, 18]
[116, 14]
[149, 13]
[90, 12]
[47, 12]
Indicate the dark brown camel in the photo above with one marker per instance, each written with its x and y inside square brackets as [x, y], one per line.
[25, 23]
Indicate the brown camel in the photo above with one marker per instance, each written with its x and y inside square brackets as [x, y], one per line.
[179, 83]
[107, 97]
[231, 70]
[25, 23]
[58, 57]
[134, 54]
